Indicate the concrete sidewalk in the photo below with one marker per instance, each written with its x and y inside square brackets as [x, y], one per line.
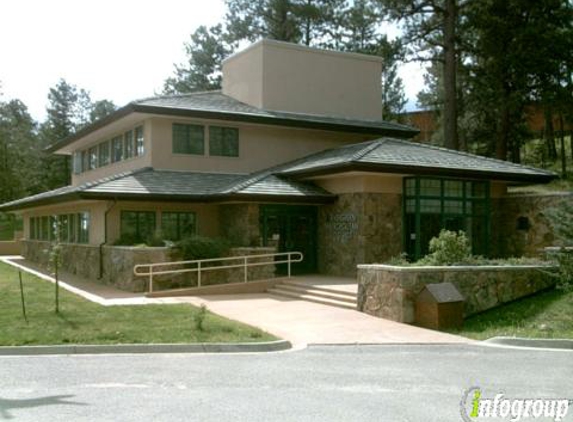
[298, 321]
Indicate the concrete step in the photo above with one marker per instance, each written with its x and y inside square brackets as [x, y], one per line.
[323, 293]
[303, 285]
[278, 291]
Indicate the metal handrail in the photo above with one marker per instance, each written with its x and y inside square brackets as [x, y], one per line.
[291, 257]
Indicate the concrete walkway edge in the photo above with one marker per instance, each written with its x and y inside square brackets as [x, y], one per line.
[77, 349]
[542, 343]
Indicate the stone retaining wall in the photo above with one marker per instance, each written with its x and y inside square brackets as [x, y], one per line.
[390, 292]
[509, 238]
[118, 263]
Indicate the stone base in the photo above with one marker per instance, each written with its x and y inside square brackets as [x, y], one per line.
[117, 264]
[390, 292]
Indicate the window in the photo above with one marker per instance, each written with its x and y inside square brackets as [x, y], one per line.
[77, 162]
[73, 228]
[433, 204]
[116, 149]
[63, 223]
[85, 161]
[177, 225]
[137, 226]
[83, 230]
[223, 141]
[103, 153]
[33, 235]
[129, 147]
[44, 228]
[139, 141]
[188, 139]
[93, 156]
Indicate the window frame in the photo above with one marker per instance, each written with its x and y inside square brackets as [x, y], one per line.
[225, 150]
[179, 223]
[186, 146]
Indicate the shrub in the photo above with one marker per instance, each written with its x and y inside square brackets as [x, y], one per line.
[201, 247]
[199, 317]
[448, 248]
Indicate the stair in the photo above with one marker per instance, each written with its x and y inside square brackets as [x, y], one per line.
[312, 293]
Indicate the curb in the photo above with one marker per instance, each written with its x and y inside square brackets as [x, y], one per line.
[548, 343]
[80, 349]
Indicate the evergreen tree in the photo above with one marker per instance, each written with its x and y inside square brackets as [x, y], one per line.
[206, 51]
[19, 157]
[431, 31]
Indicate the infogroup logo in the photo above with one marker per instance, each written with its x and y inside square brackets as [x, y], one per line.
[475, 407]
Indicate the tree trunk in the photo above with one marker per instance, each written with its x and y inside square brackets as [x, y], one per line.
[450, 98]
[563, 154]
[502, 139]
[550, 133]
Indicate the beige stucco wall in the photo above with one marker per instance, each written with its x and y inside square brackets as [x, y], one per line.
[260, 146]
[288, 77]
[361, 182]
[122, 166]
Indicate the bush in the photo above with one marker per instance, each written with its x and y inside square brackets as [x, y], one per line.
[155, 240]
[199, 318]
[201, 247]
[448, 248]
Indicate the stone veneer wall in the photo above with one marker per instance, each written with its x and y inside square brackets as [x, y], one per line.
[240, 224]
[118, 263]
[358, 228]
[390, 292]
[507, 239]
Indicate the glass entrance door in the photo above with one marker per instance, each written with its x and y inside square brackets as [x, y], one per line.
[291, 229]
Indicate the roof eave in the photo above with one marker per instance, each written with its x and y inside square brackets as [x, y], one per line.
[116, 115]
[275, 121]
[420, 170]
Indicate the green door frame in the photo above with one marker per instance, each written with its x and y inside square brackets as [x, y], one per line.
[465, 199]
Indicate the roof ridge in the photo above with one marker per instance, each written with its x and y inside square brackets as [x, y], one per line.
[181, 95]
[469, 154]
[371, 146]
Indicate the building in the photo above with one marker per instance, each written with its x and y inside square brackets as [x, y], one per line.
[292, 152]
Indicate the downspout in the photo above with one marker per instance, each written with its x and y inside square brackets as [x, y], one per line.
[101, 245]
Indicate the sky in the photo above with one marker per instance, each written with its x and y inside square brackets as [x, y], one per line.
[120, 50]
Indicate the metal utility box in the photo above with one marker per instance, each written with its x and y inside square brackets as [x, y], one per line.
[440, 306]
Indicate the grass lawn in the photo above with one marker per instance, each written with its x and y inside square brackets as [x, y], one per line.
[545, 315]
[84, 322]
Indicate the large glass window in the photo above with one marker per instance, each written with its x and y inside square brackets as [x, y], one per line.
[137, 226]
[177, 225]
[103, 154]
[93, 157]
[116, 149]
[433, 204]
[128, 144]
[83, 227]
[139, 141]
[188, 139]
[223, 141]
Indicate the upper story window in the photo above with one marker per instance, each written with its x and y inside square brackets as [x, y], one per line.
[116, 149]
[121, 147]
[223, 141]
[128, 144]
[188, 139]
[103, 154]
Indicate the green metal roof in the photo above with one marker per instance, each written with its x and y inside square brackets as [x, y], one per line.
[215, 105]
